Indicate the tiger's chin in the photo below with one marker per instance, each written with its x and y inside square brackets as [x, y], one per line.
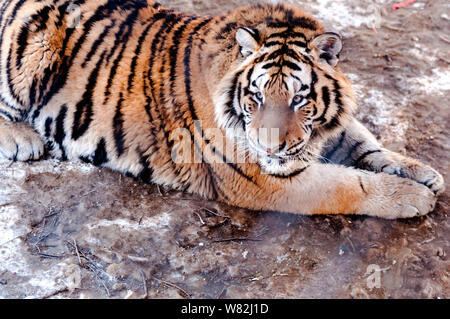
[280, 166]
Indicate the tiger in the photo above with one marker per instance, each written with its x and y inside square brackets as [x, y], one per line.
[133, 86]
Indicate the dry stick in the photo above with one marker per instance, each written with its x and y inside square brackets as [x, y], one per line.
[390, 27]
[76, 250]
[403, 4]
[145, 284]
[159, 190]
[444, 39]
[173, 286]
[215, 214]
[49, 256]
[236, 239]
[200, 217]
[93, 269]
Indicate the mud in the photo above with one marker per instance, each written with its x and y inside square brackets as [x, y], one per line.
[70, 230]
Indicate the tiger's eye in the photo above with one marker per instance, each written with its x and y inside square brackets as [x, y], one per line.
[297, 99]
[259, 96]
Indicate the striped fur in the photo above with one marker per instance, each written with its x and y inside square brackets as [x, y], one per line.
[110, 82]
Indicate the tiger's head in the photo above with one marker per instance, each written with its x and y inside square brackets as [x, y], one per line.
[284, 93]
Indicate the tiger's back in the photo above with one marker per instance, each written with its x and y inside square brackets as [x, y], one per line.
[98, 80]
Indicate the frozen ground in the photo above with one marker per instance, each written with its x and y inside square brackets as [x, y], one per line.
[69, 230]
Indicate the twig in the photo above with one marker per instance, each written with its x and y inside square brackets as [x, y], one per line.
[215, 214]
[236, 239]
[173, 286]
[222, 293]
[444, 39]
[144, 280]
[393, 28]
[76, 250]
[104, 286]
[49, 256]
[403, 4]
[159, 190]
[200, 217]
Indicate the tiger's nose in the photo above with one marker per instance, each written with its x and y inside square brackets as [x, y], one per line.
[277, 149]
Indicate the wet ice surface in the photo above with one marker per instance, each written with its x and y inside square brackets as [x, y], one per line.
[69, 230]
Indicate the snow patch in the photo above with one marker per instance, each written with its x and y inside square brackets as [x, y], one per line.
[436, 83]
[343, 15]
[159, 222]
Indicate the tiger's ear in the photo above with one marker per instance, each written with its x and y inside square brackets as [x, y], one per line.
[327, 47]
[248, 40]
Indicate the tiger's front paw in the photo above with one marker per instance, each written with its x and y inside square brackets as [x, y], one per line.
[396, 197]
[19, 142]
[418, 172]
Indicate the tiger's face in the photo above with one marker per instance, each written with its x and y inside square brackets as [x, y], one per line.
[285, 90]
[276, 109]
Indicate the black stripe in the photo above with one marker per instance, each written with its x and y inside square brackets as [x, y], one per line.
[338, 100]
[97, 43]
[232, 165]
[291, 65]
[136, 56]
[83, 113]
[48, 126]
[118, 127]
[159, 37]
[287, 34]
[272, 43]
[337, 146]
[270, 65]
[146, 174]
[173, 51]
[129, 22]
[8, 116]
[298, 43]
[60, 132]
[250, 73]
[302, 22]
[100, 154]
[326, 102]
[291, 175]
[364, 155]
[314, 79]
[227, 29]
[61, 77]
[352, 150]
[10, 106]
[361, 185]
[156, 49]
[232, 94]
[42, 17]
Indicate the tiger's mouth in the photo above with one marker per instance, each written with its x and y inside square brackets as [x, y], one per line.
[282, 153]
[282, 162]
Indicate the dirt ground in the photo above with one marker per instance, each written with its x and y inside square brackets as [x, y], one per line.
[69, 230]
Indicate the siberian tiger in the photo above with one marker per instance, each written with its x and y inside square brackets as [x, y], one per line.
[133, 86]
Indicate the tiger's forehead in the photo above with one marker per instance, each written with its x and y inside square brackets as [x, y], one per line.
[286, 33]
[282, 73]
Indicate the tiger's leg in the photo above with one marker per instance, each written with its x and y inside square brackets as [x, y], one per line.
[30, 38]
[333, 189]
[18, 141]
[358, 147]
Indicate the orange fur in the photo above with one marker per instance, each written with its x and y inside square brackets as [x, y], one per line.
[131, 81]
